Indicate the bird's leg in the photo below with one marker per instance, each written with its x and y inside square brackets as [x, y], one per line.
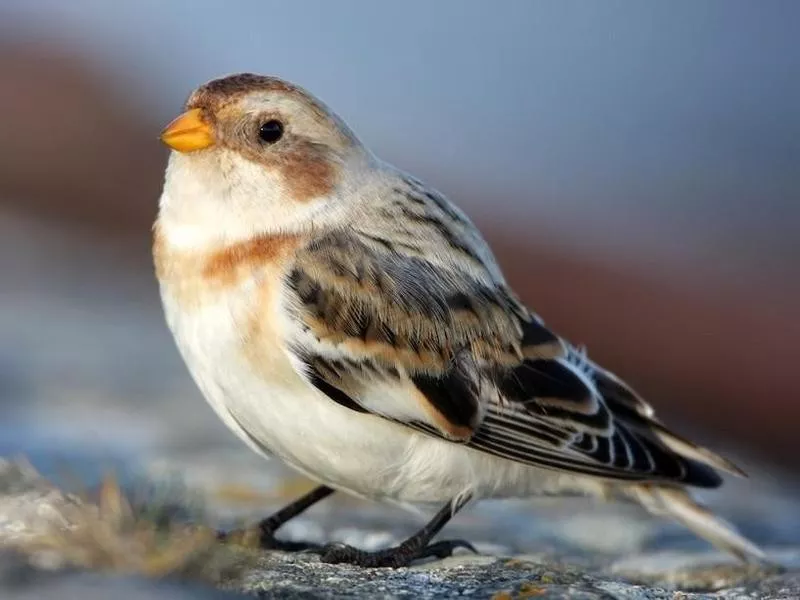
[268, 527]
[416, 547]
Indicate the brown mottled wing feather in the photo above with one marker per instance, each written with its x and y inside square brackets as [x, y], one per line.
[370, 314]
[469, 363]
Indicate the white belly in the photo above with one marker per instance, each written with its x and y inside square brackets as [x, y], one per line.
[276, 411]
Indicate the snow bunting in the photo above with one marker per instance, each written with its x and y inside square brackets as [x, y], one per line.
[343, 316]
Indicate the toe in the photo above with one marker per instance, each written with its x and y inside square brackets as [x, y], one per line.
[339, 553]
[446, 548]
[400, 556]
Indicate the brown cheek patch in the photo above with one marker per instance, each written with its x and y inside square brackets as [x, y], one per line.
[306, 172]
[307, 175]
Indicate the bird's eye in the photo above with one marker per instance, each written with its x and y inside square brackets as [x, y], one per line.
[271, 131]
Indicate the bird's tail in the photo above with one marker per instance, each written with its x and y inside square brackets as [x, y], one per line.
[677, 504]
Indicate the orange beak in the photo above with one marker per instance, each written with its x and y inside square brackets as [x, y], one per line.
[188, 132]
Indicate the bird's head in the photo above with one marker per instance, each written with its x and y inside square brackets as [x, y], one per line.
[253, 154]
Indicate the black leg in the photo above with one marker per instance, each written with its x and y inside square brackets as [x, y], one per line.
[416, 547]
[271, 524]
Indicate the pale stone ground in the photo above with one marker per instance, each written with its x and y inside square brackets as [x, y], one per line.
[564, 566]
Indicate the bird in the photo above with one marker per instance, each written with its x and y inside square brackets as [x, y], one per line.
[344, 317]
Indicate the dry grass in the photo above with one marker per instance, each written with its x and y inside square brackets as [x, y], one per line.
[236, 494]
[289, 489]
[149, 536]
[154, 530]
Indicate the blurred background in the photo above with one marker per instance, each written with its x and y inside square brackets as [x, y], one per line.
[636, 166]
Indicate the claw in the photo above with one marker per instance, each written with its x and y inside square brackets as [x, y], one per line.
[446, 548]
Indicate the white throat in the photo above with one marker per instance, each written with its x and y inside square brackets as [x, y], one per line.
[219, 198]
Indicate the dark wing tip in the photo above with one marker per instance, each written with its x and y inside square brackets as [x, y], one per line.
[632, 411]
[700, 475]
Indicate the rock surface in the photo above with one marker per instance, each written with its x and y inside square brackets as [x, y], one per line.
[33, 512]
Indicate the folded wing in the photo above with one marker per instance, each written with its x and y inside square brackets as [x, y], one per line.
[454, 354]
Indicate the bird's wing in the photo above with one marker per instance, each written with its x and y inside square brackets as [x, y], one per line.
[457, 356]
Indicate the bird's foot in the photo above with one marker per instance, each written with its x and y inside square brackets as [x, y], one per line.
[399, 556]
[264, 540]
